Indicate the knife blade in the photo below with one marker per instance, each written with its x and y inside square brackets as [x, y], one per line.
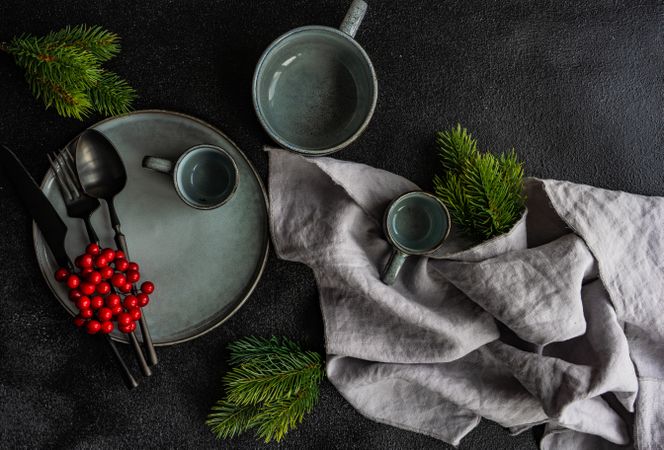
[54, 231]
[38, 205]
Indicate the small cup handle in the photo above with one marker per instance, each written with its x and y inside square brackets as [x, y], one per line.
[162, 165]
[391, 271]
[354, 17]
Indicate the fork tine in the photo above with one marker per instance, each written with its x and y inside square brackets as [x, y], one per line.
[58, 177]
[68, 176]
[71, 166]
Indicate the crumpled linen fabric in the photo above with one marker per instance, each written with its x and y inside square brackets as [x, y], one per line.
[558, 322]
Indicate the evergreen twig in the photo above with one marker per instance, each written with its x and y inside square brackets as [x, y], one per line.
[483, 192]
[63, 69]
[272, 386]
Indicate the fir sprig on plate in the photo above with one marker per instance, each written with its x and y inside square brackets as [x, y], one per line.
[272, 385]
[63, 69]
[483, 192]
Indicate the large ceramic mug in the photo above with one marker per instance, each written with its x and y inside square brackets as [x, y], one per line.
[315, 88]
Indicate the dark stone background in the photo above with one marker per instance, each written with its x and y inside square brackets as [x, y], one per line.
[575, 87]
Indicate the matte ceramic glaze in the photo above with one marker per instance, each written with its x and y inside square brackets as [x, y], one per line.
[315, 88]
[205, 264]
[417, 223]
[205, 176]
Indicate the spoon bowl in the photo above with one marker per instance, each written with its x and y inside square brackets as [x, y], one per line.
[100, 170]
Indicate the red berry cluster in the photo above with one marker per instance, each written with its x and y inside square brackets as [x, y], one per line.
[94, 289]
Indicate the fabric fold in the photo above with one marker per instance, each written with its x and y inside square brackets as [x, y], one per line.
[555, 322]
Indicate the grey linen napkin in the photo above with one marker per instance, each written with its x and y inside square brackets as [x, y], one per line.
[558, 321]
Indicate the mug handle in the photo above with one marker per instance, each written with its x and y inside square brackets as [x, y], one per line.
[391, 271]
[162, 165]
[354, 17]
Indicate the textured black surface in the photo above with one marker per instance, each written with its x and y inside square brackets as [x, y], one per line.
[575, 87]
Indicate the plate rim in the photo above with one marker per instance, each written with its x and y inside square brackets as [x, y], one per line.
[266, 234]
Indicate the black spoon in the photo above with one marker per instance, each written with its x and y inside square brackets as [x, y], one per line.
[102, 175]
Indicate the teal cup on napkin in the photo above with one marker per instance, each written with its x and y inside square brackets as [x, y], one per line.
[415, 223]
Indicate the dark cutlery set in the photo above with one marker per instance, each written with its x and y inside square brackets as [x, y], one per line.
[88, 170]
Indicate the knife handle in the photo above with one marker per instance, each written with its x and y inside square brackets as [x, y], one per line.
[127, 377]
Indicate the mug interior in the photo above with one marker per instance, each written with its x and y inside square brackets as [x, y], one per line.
[417, 223]
[205, 177]
[314, 89]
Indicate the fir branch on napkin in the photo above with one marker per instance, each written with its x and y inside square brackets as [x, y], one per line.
[483, 192]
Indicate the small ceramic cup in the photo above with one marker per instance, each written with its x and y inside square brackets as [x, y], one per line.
[205, 176]
[415, 223]
[314, 88]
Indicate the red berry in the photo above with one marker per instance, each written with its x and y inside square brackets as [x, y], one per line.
[117, 309]
[74, 295]
[106, 272]
[126, 288]
[97, 302]
[105, 314]
[109, 254]
[83, 302]
[124, 319]
[147, 287]
[119, 254]
[106, 327]
[73, 281]
[92, 249]
[94, 277]
[103, 288]
[93, 327]
[100, 261]
[87, 288]
[79, 321]
[112, 300]
[121, 264]
[143, 299]
[127, 328]
[87, 272]
[86, 313]
[118, 280]
[84, 261]
[133, 266]
[133, 276]
[61, 274]
[130, 302]
[135, 313]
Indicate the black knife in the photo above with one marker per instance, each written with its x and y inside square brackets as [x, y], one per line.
[54, 231]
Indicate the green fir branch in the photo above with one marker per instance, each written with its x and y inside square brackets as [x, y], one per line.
[112, 95]
[63, 69]
[270, 378]
[483, 192]
[272, 386]
[278, 418]
[101, 43]
[228, 420]
[252, 347]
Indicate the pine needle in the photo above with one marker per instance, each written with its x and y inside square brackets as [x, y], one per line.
[483, 192]
[272, 386]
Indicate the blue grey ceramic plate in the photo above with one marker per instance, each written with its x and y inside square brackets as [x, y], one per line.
[205, 264]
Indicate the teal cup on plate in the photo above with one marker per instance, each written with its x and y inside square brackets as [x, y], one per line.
[205, 176]
[415, 223]
[314, 88]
